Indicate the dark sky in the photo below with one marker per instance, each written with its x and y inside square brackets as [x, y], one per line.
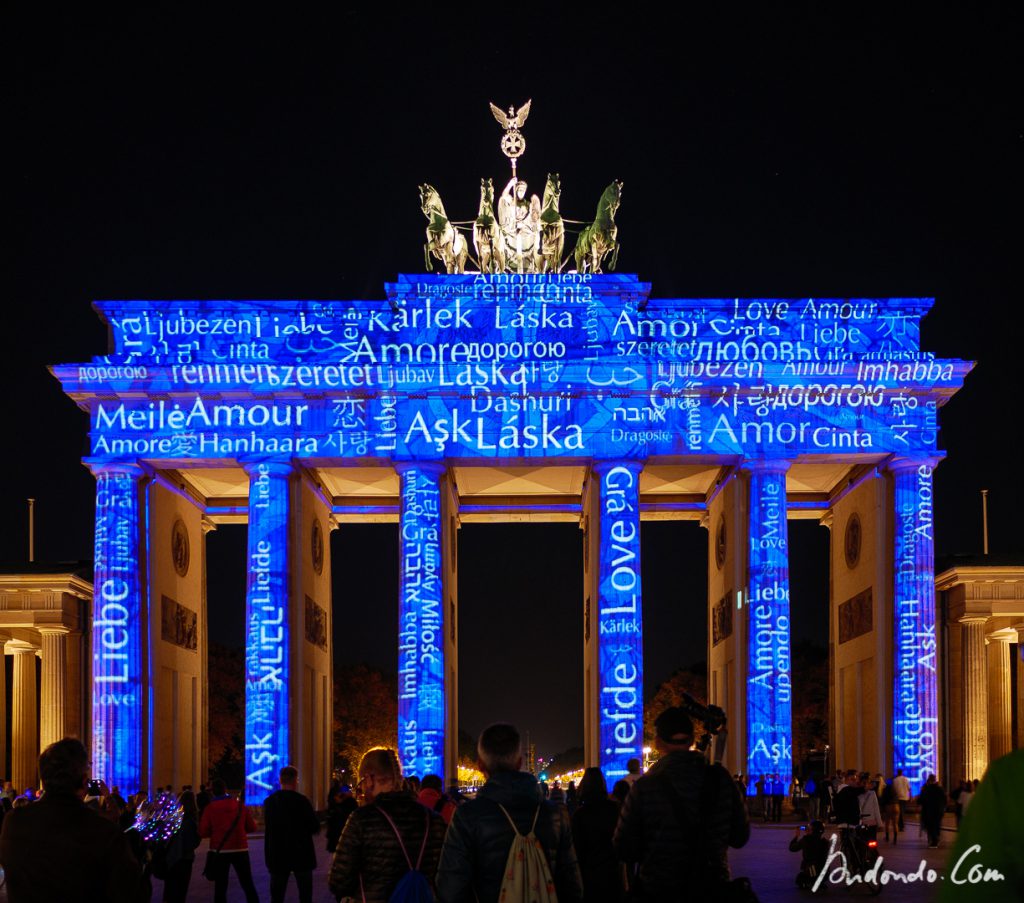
[783, 150]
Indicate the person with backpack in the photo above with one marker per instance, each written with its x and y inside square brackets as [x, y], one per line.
[390, 846]
[508, 843]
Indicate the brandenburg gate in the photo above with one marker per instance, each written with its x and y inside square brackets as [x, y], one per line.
[463, 398]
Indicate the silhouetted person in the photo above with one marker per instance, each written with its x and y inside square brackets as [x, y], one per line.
[593, 825]
[290, 824]
[681, 799]
[59, 849]
[933, 806]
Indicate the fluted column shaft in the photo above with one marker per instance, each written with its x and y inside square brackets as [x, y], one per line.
[3, 697]
[24, 726]
[53, 687]
[421, 606]
[268, 627]
[915, 724]
[975, 697]
[1000, 725]
[620, 635]
[769, 681]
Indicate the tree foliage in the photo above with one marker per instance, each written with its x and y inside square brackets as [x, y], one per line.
[692, 680]
[365, 714]
[810, 699]
[226, 702]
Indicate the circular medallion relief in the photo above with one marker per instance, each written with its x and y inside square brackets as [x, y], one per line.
[851, 541]
[179, 547]
[720, 542]
[316, 546]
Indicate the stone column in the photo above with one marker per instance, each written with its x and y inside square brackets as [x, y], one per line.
[974, 687]
[915, 674]
[4, 637]
[620, 653]
[24, 726]
[268, 631]
[53, 686]
[1000, 723]
[769, 677]
[422, 715]
[119, 685]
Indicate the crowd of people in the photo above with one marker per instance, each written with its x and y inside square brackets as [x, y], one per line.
[398, 837]
[516, 839]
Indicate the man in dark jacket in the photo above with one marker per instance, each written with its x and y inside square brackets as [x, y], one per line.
[384, 835]
[680, 817]
[480, 836]
[288, 839]
[59, 849]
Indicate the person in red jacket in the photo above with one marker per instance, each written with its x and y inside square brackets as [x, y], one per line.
[430, 795]
[227, 823]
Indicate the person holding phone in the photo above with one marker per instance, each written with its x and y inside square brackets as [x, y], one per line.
[810, 842]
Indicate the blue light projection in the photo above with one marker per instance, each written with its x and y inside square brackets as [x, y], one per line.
[916, 686]
[513, 367]
[421, 694]
[267, 627]
[620, 621]
[465, 369]
[769, 684]
[117, 634]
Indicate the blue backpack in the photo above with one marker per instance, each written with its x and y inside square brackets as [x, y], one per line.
[413, 886]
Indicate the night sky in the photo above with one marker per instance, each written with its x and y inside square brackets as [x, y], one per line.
[787, 150]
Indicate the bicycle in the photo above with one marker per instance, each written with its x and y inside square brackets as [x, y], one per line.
[860, 850]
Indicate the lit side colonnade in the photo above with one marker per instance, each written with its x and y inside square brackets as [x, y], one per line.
[482, 398]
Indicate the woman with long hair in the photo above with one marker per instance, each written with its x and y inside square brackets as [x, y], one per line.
[181, 853]
[593, 824]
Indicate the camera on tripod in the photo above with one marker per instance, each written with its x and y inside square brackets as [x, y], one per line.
[714, 720]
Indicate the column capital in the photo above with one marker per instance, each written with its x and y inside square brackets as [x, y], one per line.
[1003, 635]
[20, 647]
[973, 619]
[902, 465]
[631, 464]
[53, 630]
[277, 467]
[99, 466]
[435, 467]
[766, 465]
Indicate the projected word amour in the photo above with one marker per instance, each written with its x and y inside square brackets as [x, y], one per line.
[511, 369]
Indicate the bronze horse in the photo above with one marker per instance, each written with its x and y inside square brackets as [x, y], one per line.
[552, 229]
[490, 248]
[601, 237]
[444, 241]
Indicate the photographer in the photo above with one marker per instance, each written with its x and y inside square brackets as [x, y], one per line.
[680, 817]
[814, 849]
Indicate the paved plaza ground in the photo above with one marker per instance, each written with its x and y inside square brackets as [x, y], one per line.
[766, 860]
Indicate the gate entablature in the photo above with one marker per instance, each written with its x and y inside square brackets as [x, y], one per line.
[513, 367]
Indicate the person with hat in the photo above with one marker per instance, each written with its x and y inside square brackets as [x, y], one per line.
[679, 818]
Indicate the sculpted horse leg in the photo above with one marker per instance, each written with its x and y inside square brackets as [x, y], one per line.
[498, 252]
[460, 248]
[426, 255]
